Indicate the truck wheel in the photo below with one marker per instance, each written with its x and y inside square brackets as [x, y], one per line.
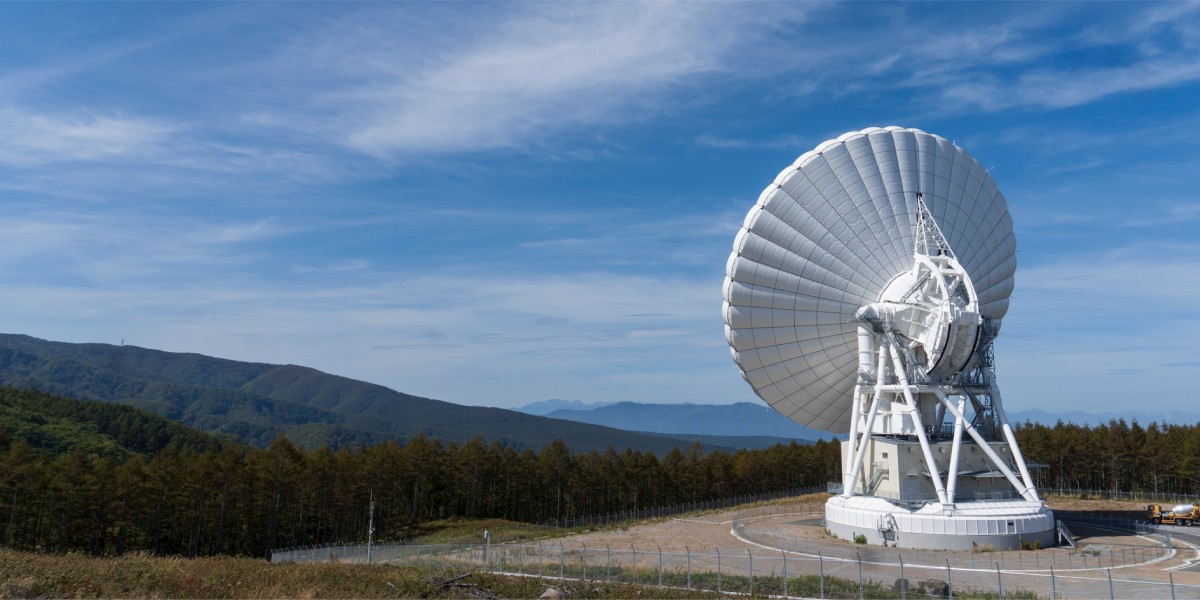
[1156, 520]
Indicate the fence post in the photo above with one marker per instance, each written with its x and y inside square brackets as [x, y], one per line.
[903, 581]
[949, 581]
[1171, 576]
[1053, 585]
[633, 563]
[689, 565]
[785, 582]
[860, 576]
[608, 569]
[718, 570]
[585, 553]
[751, 558]
[660, 566]
[821, 566]
[1000, 581]
[560, 560]
[1110, 588]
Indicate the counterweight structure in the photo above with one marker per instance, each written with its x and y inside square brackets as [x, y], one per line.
[848, 308]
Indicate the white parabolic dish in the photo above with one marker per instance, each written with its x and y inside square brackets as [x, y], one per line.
[827, 237]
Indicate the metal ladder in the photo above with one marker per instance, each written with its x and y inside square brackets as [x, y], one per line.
[1064, 534]
[878, 471]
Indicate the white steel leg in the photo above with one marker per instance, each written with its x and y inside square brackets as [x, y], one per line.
[1012, 439]
[1025, 491]
[952, 472]
[915, 414]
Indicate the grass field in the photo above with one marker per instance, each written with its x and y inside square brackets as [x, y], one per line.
[28, 575]
[470, 531]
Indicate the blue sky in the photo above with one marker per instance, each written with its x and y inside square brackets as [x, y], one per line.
[502, 203]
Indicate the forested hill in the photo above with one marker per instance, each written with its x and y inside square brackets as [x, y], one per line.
[255, 402]
[56, 425]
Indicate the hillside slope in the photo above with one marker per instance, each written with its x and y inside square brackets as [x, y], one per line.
[58, 425]
[255, 402]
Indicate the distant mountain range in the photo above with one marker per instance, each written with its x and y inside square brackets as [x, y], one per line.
[255, 402]
[545, 407]
[747, 419]
[740, 419]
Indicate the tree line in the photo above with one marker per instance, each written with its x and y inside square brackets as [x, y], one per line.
[107, 479]
[202, 496]
[1117, 456]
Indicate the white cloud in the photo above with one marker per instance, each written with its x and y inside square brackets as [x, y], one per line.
[792, 142]
[128, 247]
[1079, 327]
[341, 266]
[1060, 88]
[1157, 43]
[517, 74]
[32, 138]
[439, 336]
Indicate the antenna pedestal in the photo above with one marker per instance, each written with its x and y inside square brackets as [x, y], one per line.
[911, 478]
[1000, 525]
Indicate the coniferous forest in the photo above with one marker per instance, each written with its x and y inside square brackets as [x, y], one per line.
[104, 484]
[109, 479]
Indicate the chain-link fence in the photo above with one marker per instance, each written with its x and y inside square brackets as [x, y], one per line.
[828, 573]
[1148, 497]
[789, 565]
[654, 512]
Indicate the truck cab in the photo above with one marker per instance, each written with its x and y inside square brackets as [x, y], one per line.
[1180, 514]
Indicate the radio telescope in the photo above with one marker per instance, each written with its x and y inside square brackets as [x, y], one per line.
[862, 296]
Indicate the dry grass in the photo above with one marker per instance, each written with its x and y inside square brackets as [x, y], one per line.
[27, 575]
[470, 531]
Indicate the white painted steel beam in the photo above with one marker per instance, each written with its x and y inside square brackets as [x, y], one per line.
[915, 414]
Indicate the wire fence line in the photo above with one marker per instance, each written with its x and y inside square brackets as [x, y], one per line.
[678, 509]
[739, 500]
[521, 532]
[524, 532]
[794, 567]
[742, 499]
[811, 569]
[758, 571]
[1134, 496]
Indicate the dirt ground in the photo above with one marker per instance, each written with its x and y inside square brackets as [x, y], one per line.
[709, 531]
